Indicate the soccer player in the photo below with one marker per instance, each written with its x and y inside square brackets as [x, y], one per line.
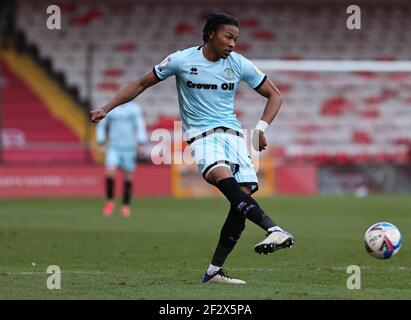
[120, 135]
[207, 78]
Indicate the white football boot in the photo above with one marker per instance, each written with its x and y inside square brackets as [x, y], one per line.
[276, 239]
[221, 277]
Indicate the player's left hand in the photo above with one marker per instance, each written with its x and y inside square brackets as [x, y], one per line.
[259, 142]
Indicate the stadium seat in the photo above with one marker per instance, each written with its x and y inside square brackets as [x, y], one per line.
[337, 106]
[184, 28]
[361, 137]
[126, 46]
[265, 35]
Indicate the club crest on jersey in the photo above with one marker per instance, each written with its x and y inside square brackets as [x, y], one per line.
[228, 73]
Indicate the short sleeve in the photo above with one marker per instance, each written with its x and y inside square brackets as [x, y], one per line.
[253, 76]
[168, 67]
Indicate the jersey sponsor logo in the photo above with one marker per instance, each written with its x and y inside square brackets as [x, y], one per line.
[227, 86]
[209, 86]
[228, 73]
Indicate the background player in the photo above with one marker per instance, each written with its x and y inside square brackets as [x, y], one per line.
[120, 135]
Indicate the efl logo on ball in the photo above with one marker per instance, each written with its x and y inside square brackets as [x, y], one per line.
[382, 240]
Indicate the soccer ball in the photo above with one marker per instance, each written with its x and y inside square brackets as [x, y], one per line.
[382, 240]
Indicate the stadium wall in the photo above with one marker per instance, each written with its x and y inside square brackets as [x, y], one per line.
[82, 181]
[296, 179]
[151, 180]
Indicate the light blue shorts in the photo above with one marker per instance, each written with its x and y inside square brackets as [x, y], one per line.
[125, 160]
[229, 150]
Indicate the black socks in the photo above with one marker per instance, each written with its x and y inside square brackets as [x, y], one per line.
[127, 192]
[230, 233]
[109, 188]
[244, 204]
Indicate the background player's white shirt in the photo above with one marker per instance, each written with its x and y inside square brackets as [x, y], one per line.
[206, 89]
[123, 127]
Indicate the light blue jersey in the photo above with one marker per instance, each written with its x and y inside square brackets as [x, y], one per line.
[123, 128]
[206, 89]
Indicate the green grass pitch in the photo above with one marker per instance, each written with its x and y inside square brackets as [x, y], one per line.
[162, 251]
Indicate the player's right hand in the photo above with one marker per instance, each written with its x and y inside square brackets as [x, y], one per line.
[96, 115]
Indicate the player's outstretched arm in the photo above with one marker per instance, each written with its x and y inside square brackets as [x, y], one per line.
[274, 101]
[126, 94]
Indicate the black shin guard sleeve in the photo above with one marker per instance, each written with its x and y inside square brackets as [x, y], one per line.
[230, 233]
[109, 188]
[127, 192]
[244, 203]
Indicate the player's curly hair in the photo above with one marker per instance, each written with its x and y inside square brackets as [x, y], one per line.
[214, 20]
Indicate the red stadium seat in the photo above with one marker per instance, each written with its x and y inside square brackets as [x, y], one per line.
[67, 7]
[341, 158]
[385, 58]
[108, 86]
[263, 35]
[184, 28]
[308, 128]
[321, 158]
[374, 100]
[163, 122]
[337, 106]
[126, 46]
[304, 141]
[361, 158]
[113, 72]
[248, 23]
[361, 137]
[370, 113]
[87, 18]
[284, 87]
